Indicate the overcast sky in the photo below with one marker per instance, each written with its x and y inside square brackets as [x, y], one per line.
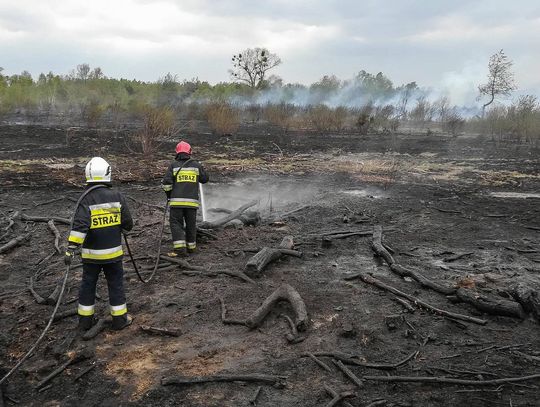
[438, 43]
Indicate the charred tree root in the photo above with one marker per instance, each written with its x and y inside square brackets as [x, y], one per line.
[248, 378]
[449, 380]
[101, 324]
[233, 215]
[528, 297]
[338, 397]
[451, 315]
[381, 251]
[266, 255]
[488, 305]
[14, 243]
[284, 292]
[491, 306]
[196, 270]
[335, 394]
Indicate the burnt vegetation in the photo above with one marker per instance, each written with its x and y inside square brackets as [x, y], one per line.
[365, 244]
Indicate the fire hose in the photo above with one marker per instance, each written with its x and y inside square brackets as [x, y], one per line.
[156, 264]
[57, 305]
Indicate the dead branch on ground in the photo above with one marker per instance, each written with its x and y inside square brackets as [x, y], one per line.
[318, 361]
[56, 234]
[353, 360]
[30, 218]
[224, 318]
[75, 358]
[449, 380]
[85, 371]
[253, 400]
[248, 378]
[65, 314]
[348, 372]
[39, 299]
[160, 331]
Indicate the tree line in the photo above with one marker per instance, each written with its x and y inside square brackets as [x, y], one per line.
[369, 102]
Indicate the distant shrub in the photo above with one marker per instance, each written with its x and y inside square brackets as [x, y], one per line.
[91, 111]
[453, 123]
[325, 119]
[223, 118]
[158, 123]
[280, 115]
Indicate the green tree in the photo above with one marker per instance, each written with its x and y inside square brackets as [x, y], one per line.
[500, 80]
[251, 66]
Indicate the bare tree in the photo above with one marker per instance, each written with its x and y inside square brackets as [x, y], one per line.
[500, 80]
[251, 65]
[96, 73]
[83, 70]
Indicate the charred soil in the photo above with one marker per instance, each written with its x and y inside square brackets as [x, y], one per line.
[462, 211]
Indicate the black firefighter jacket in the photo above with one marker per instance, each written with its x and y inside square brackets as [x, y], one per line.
[181, 182]
[98, 224]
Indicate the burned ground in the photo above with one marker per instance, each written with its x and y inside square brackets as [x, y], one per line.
[437, 198]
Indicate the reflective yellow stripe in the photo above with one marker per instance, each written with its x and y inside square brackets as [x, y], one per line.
[106, 256]
[182, 203]
[167, 187]
[94, 178]
[192, 245]
[104, 211]
[85, 310]
[75, 239]
[117, 310]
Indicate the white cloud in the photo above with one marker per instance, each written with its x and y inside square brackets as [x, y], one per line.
[427, 42]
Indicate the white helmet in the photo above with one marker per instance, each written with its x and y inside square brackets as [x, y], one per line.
[98, 170]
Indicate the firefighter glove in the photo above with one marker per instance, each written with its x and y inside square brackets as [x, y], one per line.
[71, 251]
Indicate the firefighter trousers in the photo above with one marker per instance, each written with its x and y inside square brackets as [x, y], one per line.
[183, 228]
[114, 273]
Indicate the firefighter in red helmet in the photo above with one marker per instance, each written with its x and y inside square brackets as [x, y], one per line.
[181, 184]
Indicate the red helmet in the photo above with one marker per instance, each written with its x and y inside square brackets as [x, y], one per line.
[183, 147]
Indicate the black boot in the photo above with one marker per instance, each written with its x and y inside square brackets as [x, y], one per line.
[86, 322]
[121, 321]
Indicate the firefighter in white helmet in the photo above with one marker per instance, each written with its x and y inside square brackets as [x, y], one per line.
[96, 235]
